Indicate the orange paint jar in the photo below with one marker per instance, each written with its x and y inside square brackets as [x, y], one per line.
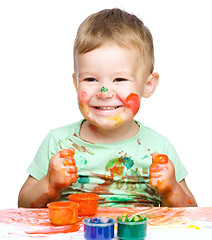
[88, 202]
[63, 213]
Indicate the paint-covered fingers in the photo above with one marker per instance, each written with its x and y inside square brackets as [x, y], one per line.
[67, 153]
[73, 178]
[69, 164]
[62, 170]
[160, 185]
[160, 158]
[158, 167]
[162, 174]
[153, 182]
[71, 169]
[158, 171]
[69, 161]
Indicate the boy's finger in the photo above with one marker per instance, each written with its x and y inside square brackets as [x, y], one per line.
[72, 169]
[157, 167]
[65, 153]
[160, 158]
[155, 175]
[154, 155]
[69, 161]
[74, 178]
[153, 182]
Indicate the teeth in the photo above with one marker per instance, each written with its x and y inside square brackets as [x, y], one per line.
[107, 108]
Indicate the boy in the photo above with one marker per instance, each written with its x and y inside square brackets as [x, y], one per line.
[116, 156]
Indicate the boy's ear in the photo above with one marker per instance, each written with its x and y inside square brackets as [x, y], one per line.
[74, 80]
[151, 85]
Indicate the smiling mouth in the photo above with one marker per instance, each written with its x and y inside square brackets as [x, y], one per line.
[106, 107]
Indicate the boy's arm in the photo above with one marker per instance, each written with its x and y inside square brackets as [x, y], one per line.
[36, 193]
[62, 172]
[162, 178]
[180, 197]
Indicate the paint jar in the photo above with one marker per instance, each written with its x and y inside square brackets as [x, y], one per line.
[132, 230]
[88, 203]
[99, 228]
[63, 213]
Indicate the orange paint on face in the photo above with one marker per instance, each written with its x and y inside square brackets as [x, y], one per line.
[132, 101]
[82, 96]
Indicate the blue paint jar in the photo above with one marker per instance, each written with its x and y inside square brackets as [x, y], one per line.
[99, 228]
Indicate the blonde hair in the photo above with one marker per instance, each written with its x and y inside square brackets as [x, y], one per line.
[117, 26]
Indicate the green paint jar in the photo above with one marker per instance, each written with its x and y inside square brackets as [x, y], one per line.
[132, 230]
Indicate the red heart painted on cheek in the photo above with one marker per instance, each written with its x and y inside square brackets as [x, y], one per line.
[132, 101]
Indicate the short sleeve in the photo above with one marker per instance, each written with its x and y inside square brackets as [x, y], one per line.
[39, 166]
[180, 170]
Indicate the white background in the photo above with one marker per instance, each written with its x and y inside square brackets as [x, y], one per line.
[37, 94]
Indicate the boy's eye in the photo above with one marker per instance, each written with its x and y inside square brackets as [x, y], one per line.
[90, 79]
[120, 80]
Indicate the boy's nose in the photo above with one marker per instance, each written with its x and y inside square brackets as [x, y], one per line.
[105, 93]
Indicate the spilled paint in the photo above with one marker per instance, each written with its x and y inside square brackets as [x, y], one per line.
[193, 226]
[35, 222]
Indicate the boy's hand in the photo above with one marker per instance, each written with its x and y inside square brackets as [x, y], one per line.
[62, 170]
[162, 174]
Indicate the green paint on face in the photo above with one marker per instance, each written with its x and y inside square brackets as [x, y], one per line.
[103, 90]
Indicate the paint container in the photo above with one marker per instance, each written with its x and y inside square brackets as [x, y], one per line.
[132, 230]
[63, 213]
[99, 228]
[88, 203]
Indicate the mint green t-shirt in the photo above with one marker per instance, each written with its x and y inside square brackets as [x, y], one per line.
[117, 172]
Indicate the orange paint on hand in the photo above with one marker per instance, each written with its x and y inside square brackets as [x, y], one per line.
[67, 153]
[161, 158]
[69, 162]
[157, 169]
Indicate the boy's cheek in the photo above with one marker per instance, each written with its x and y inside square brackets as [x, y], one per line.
[132, 101]
[82, 97]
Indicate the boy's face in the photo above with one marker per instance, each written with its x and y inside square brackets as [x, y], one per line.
[110, 82]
